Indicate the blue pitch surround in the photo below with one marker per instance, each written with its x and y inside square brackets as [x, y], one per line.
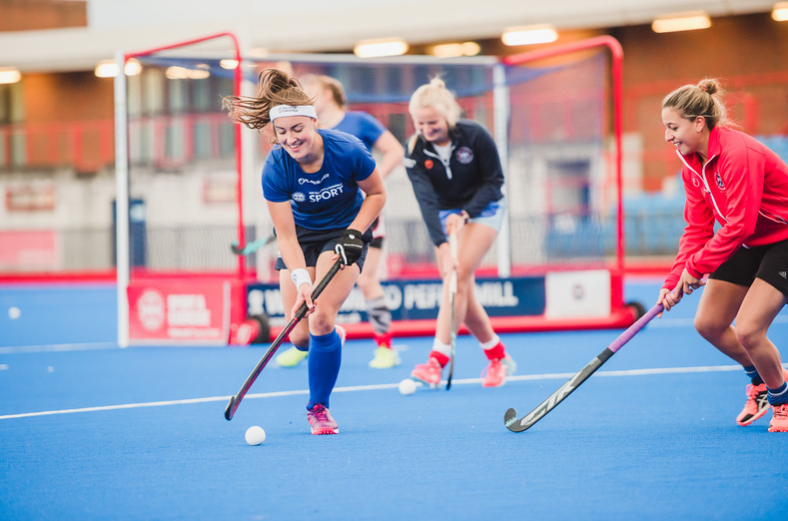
[639, 440]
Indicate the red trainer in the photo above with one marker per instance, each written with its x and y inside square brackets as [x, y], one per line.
[429, 373]
[321, 421]
[757, 405]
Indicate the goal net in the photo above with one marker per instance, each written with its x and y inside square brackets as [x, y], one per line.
[194, 183]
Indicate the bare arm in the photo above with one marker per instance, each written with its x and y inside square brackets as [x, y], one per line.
[392, 152]
[375, 192]
[286, 238]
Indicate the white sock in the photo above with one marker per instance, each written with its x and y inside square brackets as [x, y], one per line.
[490, 343]
[444, 349]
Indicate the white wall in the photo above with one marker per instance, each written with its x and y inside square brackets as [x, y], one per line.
[320, 25]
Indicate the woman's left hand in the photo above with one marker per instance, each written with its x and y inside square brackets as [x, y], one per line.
[688, 283]
[455, 221]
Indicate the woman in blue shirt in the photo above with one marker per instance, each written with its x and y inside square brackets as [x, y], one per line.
[312, 184]
[330, 106]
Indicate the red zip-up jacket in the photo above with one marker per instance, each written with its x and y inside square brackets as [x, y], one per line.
[744, 186]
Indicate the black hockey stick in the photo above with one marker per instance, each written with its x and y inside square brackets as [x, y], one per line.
[251, 247]
[235, 401]
[527, 421]
[452, 299]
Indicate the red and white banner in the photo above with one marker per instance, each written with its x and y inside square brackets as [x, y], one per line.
[29, 250]
[182, 312]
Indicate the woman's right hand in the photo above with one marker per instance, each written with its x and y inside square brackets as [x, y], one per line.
[304, 295]
[661, 300]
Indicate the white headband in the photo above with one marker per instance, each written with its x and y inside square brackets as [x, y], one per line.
[283, 111]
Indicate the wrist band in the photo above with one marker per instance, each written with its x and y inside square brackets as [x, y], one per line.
[300, 276]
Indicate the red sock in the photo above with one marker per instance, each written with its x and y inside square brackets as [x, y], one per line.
[496, 353]
[383, 340]
[440, 357]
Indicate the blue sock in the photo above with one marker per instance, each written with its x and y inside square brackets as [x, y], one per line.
[778, 396]
[325, 357]
[752, 372]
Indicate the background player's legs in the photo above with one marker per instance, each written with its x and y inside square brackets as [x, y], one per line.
[476, 319]
[377, 311]
[474, 242]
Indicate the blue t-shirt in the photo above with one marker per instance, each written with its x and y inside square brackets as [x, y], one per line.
[329, 198]
[363, 126]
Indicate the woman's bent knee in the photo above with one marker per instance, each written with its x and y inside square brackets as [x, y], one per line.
[748, 334]
[710, 329]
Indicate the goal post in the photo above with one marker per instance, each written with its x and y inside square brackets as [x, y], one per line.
[576, 108]
[152, 307]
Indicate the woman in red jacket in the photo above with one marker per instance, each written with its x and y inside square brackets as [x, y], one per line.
[731, 177]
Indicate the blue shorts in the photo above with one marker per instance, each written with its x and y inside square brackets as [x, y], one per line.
[491, 216]
[315, 242]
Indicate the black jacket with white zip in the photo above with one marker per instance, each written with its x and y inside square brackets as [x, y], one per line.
[470, 180]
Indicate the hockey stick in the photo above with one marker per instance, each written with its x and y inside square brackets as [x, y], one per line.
[527, 421]
[251, 247]
[235, 401]
[452, 299]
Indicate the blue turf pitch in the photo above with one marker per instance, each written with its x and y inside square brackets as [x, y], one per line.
[651, 436]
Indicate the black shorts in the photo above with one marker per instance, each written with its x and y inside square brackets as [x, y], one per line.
[769, 263]
[315, 242]
[377, 240]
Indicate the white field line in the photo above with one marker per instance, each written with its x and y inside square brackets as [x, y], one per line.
[57, 348]
[466, 381]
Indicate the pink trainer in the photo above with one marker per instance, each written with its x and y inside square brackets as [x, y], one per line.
[321, 421]
[429, 373]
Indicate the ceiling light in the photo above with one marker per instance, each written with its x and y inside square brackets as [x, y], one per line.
[780, 12]
[455, 50]
[228, 64]
[182, 73]
[109, 68]
[471, 49]
[9, 76]
[106, 69]
[529, 35]
[447, 50]
[380, 48]
[132, 68]
[690, 21]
